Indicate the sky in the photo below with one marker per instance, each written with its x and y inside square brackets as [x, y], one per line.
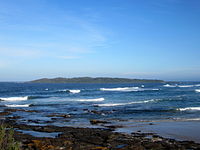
[151, 39]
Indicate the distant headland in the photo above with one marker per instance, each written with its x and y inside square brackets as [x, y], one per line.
[94, 80]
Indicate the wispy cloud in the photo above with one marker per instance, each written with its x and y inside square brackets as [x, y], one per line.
[20, 52]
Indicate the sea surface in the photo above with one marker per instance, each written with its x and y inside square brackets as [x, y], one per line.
[119, 104]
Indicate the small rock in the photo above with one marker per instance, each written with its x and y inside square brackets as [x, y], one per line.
[97, 121]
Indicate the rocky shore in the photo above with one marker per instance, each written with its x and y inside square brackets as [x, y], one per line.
[70, 138]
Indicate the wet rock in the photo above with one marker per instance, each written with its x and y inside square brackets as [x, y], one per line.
[100, 148]
[15, 110]
[13, 117]
[59, 115]
[93, 121]
[94, 139]
[96, 112]
[4, 113]
[114, 126]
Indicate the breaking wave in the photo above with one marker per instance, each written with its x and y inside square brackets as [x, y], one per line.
[169, 85]
[126, 89]
[71, 91]
[63, 90]
[181, 86]
[91, 100]
[74, 91]
[121, 104]
[25, 105]
[197, 90]
[23, 98]
[189, 109]
[185, 86]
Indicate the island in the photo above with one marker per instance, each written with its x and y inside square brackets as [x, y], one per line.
[94, 80]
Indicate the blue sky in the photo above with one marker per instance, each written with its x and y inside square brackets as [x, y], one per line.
[154, 39]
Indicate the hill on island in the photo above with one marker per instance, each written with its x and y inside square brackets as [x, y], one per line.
[94, 80]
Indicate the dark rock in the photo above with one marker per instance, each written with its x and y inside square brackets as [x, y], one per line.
[4, 113]
[59, 115]
[151, 124]
[98, 122]
[93, 139]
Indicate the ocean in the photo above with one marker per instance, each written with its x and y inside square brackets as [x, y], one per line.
[114, 103]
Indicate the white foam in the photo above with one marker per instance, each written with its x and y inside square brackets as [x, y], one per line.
[189, 108]
[197, 90]
[192, 119]
[46, 89]
[125, 89]
[154, 89]
[121, 104]
[14, 98]
[25, 105]
[185, 86]
[91, 100]
[64, 90]
[74, 91]
[168, 85]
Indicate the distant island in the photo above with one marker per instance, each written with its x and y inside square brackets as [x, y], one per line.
[94, 80]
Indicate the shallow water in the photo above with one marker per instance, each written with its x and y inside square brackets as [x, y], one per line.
[116, 103]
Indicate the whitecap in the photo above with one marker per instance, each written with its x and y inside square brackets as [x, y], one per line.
[74, 91]
[197, 90]
[25, 105]
[192, 119]
[189, 108]
[153, 89]
[63, 90]
[168, 85]
[14, 98]
[91, 100]
[121, 104]
[185, 86]
[125, 89]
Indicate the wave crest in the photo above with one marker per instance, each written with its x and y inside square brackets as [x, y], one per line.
[91, 100]
[169, 85]
[25, 105]
[71, 91]
[126, 89]
[197, 90]
[74, 91]
[23, 98]
[121, 104]
[189, 109]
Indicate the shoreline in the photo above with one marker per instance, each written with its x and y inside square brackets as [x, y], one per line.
[175, 129]
[90, 138]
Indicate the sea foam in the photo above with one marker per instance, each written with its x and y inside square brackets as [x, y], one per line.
[197, 90]
[74, 91]
[71, 91]
[185, 86]
[181, 86]
[125, 89]
[189, 108]
[169, 85]
[14, 98]
[121, 104]
[91, 100]
[25, 105]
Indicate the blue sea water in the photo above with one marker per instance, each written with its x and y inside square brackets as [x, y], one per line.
[111, 102]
